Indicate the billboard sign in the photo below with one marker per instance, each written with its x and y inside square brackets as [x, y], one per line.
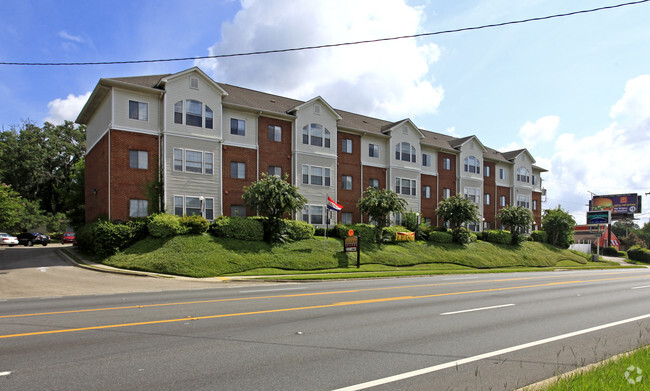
[599, 217]
[618, 204]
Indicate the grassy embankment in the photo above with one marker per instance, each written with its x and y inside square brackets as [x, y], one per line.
[207, 256]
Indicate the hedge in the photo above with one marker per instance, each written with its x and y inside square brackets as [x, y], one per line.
[104, 238]
[539, 236]
[194, 224]
[366, 232]
[164, 225]
[497, 236]
[639, 254]
[440, 237]
[238, 228]
[299, 230]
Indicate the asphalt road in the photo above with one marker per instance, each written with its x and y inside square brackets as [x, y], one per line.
[499, 331]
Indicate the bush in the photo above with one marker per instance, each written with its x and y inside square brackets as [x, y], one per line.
[388, 234]
[441, 229]
[139, 227]
[610, 251]
[299, 230]
[238, 228]
[366, 232]
[440, 237]
[194, 224]
[539, 236]
[497, 236]
[104, 238]
[331, 232]
[462, 235]
[639, 254]
[164, 225]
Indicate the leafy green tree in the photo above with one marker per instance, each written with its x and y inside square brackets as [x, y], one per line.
[458, 211]
[30, 217]
[379, 205]
[273, 197]
[622, 228]
[11, 208]
[517, 218]
[75, 202]
[558, 225]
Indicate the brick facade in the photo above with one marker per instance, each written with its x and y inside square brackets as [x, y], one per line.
[96, 178]
[501, 192]
[349, 164]
[537, 212]
[274, 153]
[233, 188]
[369, 173]
[446, 178]
[429, 205]
[489, 187]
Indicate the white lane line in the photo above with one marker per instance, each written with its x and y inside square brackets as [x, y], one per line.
[271, 290]
[453, 364]
[5, 373]
[641, 287]
[477, 309]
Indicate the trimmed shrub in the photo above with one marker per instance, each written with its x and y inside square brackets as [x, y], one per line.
[539, 236]
[639, 254]
[441, 237]
[164, 225]
[331, 232]
[441, 229]
[194, 224]
[139, 227]
[610, 251]
[388, 234]
[497, 236]
[462, 235]
[238, 228]
[473, 237]
[104, 238]
[299, 230]
[366, 232]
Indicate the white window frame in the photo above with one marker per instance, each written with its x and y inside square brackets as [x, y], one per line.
[472, 165]
[141, 160]
[503, 175]
[346, 182]
[239, 131]
[346, 145]
[446, 163]
[523, 200]
[502, 201]
[426, 160]
[240, 169]
[175, 160]
[310, 173]
[370, 183]
[179, 202]
[473, 194]
[346, 218]
[486, 171]
[238, 207]
[141, 110]
[193, 208]
[373, 150]
[208, 163]
[405, 186]
[523, 175]
[486, 198]
[426, 191]
[275, 133]
[272, 171]
[309, 214]
[193, 170]
[446, 193]
[138, 208]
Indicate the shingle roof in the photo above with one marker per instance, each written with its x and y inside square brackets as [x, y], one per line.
[150, 81]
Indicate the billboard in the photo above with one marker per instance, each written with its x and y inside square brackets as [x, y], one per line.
[599, 217]
[618, 204]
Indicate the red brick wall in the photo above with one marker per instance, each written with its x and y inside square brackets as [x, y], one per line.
[446, 178]
[274, 153]
[537, 214]
[429, 205]
[349, 164]
[130, 183]
[96, 181]
[233, 188]
[489, 187]
[501, 191]
[374, 173]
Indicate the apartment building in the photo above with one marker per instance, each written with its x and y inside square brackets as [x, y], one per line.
[208, 140]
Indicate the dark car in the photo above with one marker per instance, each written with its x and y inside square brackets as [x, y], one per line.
[68, 237]
[32, 238]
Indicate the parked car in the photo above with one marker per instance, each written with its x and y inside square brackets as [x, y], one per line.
[8, 240]
[68, 237]
[32, 238]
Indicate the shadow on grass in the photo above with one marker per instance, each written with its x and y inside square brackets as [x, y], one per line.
[241, 246]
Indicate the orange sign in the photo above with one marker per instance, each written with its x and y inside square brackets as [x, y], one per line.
[351, 232]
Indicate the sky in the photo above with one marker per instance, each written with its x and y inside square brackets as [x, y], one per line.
[574, 91]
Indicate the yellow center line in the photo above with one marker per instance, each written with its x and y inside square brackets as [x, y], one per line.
[294, 295]
[341, 304]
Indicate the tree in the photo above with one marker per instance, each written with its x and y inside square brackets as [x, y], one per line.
[273, 197]
[517, 218]
[379, 205]
[75, 202]
[622, 228]
[558, 225]
[457, 210]
[11, 208]
[30, 217]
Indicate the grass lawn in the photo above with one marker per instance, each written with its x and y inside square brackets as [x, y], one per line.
[207, 256]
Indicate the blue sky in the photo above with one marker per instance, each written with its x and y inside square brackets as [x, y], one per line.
[575, 91]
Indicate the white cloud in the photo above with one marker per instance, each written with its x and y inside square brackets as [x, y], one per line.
[66, 109]
[614, 160]
[388, 79]
[543, 130]
[75, 38]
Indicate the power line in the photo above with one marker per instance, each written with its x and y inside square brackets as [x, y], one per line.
[328, 45]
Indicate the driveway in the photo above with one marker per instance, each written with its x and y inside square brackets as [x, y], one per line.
[42, 272]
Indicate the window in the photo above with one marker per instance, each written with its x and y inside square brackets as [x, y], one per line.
[178, 205]
[426, 160]
[178, 159]
[374, 182]
[275, 170]
[209, 209]
[472, 165]
[209, 163]
[237, 127]
[346, 218]
[275, 133]
[314, 175]
[502, 173]
[346, 145]
[405, 186]
[346, 182]
[138, 208]
[523, 175]
[316, 135]
[446, 193]
[194, 83]
[405, 152]
[502, 200]
[138, 110]
[138, 159]
[209, 117]
[192, 206]
[522, 200]
[446, 163]
[313, 214]
[237, 210]
[474, 227]
[178, 112]
[193, 161]
[533, 180]
[473, 194]
[486, 171]
[398, 219]
[194, 113]
[373, 150]
[534, 204]
[237, 170]
[426, 191]
[486, 198]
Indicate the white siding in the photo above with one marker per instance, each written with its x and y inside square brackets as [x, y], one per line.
[121, 111]
[99, 123]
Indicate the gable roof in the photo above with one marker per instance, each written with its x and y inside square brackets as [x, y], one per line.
[512, 155]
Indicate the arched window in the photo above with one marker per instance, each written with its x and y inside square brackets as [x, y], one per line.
[472, 165]
[523, 175]
[405, 152]
[193, 113]
[316, 135]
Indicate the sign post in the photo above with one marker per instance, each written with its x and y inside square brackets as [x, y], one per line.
[353, 244]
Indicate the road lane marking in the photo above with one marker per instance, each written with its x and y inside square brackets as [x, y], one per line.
[641, 287]
[316, 294]
[272, 290]
[453, 364]
[5, 373]
[477, 309]
[277, 310]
